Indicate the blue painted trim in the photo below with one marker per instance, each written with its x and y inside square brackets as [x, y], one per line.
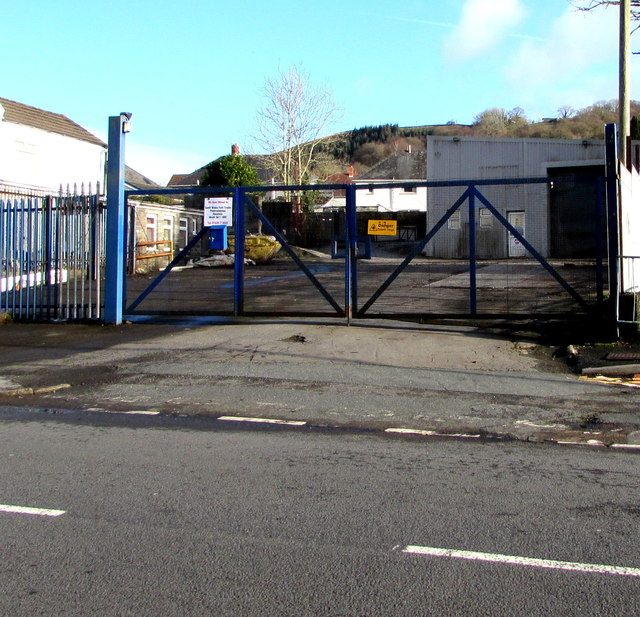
[115, 245]
[197, 190]
[351, 247]
[238, 265]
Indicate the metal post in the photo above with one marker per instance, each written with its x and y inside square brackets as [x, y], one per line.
[115, 245]
[238, 268]
[612, 216]
[351, 244]
[473, 292]
[599, 244]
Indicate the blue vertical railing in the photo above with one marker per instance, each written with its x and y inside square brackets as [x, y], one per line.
[51, 263]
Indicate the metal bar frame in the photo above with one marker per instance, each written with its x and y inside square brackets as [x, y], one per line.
[470, 193]
[285, 245]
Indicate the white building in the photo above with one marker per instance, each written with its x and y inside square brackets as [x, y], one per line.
[400, 166]
[47, 150]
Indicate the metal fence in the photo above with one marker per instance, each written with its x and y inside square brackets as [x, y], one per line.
[52, 251]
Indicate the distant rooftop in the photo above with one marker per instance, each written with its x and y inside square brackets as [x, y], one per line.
[137, 180]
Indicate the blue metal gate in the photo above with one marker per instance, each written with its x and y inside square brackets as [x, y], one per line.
[569, 288]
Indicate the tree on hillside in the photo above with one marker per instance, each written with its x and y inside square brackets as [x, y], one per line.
[492, 121]
[230, 170]
[291, 122]
[566, 111]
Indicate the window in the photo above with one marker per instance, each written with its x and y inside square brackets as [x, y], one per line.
[454, 220]
[152, 227]
[183, 234]
[167, 228]
[408, 190]
[486, 218]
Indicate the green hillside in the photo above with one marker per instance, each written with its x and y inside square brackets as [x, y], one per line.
[364, 147]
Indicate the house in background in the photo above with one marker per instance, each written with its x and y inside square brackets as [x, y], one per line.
[160, 227]
[45, 150]
[558, 218]
[405, 165]
[42, 153]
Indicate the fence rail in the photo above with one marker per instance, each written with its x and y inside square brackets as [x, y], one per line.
[51, 255]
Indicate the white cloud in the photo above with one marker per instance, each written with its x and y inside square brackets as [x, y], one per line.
[578, 56]
[483, 25]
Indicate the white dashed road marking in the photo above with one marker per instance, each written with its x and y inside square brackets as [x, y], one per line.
[522, 561]
[262, 420]
[32, 511]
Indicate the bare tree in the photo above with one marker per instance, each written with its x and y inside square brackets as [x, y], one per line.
[589, 5]
[291, 122]
[566, 111]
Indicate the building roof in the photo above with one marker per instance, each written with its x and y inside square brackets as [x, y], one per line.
[258, 161]
[18, 113]
[137, 180]
[399, 166]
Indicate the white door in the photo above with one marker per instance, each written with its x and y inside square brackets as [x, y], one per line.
[516, 218]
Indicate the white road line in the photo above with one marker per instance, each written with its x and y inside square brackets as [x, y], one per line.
[522, 561]
[427, 433]
[626, 446]
[262, 420]
[32, 511]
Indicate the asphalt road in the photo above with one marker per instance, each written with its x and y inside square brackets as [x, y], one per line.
[156, 518]
[378, 375]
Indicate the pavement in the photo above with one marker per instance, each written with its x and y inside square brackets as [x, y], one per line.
[389, 376]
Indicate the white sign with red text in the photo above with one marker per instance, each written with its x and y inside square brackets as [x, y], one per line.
[218, 211]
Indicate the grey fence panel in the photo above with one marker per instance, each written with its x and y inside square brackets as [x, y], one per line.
[51, 256]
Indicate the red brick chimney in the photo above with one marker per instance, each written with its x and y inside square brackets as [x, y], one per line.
[235, 149]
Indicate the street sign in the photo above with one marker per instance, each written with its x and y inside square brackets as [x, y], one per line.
[382, 228]
[218, 211]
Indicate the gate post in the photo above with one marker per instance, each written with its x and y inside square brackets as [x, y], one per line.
[473, 295]
[115, 244]
[351, 245]
[611, 168]
[238, 264]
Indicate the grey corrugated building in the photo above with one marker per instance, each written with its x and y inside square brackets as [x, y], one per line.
[558, 219]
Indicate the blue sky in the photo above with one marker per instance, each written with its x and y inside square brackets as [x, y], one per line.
[191, 71]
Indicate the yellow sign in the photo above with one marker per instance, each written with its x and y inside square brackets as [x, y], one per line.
[383, 228]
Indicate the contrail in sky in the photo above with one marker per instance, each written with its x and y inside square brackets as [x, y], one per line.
[440, 24]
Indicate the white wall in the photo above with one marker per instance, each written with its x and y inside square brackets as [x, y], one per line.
[630, 230]
[33, 157]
